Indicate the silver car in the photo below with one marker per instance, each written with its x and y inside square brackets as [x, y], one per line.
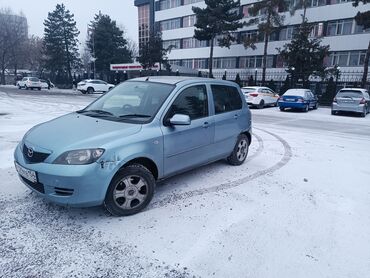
[351, 100]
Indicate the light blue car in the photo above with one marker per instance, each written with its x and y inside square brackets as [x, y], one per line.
[144, 130]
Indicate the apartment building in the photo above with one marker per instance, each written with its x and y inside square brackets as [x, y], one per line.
[333, 22]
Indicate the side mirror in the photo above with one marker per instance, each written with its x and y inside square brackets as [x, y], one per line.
[180, 119]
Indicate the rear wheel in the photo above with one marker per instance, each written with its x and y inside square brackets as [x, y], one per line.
[130, 190]
[90, 90]
[282, 109]
[261, 104]
[363, 114]
[333, 112]
[25, 86]
[306, 108]
[316, 106]
[240, 151]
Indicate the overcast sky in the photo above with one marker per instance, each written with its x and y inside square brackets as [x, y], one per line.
[36, 11]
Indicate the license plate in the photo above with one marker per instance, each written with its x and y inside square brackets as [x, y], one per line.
[27, 174]
[290, 99]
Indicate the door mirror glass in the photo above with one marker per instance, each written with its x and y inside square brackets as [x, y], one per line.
[180, 119]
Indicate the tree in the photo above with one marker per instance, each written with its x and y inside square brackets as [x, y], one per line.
[305, 55]
[238, 80]
[152, 52]
[272, 85]
[60, 41]
[363, 19]
[34, 57]
[217, 21]
[300, 4]
[107, 44]
[286, 86]
[13, 34]
[267, 22]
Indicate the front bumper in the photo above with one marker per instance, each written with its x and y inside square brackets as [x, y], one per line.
[69, 185]
[357, 109]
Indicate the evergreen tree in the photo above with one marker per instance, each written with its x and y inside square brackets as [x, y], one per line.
[152, 52]
[107, 44]
[363, 19]
[60, 41]
[268, 19]
[305, 55]
[251, 81]
[328, 96]
[217, 21]
[272, 85]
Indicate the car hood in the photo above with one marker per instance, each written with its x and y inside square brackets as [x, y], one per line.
[76, 131]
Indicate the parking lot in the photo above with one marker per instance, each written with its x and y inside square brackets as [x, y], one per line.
[299, 206]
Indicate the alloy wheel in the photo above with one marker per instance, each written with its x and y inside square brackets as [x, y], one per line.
[130, 192]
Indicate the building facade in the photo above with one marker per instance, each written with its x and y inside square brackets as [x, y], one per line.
[333, 23]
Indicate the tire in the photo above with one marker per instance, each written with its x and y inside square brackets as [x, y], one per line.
[282, 109]
[26, 87]
[135, 186]
[84, 92]
[90, 90]
[110, 88]
[19, 87]
[306, 108]
[240, 151]
[316, 106]
[363, 114]
[333, 112]
[261, 105]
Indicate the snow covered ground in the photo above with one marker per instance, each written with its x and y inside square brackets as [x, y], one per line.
[299, 207]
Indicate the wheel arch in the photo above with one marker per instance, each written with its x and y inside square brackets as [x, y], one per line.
[146, 162]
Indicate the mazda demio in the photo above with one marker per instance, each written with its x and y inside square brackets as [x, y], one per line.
[115, 150]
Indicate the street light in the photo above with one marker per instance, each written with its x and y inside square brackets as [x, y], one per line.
[292, 69]
[337, 77]
[255, 77]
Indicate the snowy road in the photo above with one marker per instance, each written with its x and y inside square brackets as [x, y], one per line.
[299, 207]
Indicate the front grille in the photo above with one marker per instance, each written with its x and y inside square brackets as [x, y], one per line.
[37, 186]
[63, 191]
[36, 157]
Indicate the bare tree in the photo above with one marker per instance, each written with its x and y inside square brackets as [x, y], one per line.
[13, 36]
[86, 60]
[34, 54]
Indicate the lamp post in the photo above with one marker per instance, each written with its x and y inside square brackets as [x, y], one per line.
[255, 77]
[337, 77]
[292, 69]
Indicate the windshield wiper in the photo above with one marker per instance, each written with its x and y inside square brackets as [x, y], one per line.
[96, 111]
[135, 116]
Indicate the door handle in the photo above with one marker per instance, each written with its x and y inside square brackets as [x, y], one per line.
[206, 125]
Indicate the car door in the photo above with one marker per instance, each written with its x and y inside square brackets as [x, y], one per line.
[189, 145]
[274, 96]
[227, 105]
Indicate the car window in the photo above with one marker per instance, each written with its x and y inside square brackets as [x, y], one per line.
[367, 95]
[24, 79]
[266, 91]
[34, 79]
[192, 102]
[226, 98]
[350, 94]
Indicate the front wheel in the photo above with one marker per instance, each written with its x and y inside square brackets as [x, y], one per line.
[240, 151]
[261, 104]
[90, 90]
[282, 109]
[130, 191]
[363, 114]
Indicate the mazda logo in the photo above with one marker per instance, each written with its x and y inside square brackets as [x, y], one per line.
[30, 152]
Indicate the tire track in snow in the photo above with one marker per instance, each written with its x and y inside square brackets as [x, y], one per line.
[172, 199]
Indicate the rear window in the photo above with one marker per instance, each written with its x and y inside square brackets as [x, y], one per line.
[249, 90]
[350, 93]
[295, 93]
[226, 98]
[34, 79]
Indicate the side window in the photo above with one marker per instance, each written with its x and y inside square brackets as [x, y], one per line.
[266, 91]
[24, 79]
[192, 102]
[226, 98]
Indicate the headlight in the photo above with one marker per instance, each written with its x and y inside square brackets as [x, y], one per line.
[79, 157]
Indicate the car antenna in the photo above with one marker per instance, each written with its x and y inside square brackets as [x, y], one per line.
[147, 79]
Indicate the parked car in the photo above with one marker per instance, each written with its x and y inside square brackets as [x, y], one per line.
[260, 96]
[113, 151]
[29, 83]
[302, 99]
[351, 100]
[94, 85]
[45, 84]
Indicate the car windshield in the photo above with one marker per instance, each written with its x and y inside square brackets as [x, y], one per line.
[34, 79]
[350, 94]
[132, 101]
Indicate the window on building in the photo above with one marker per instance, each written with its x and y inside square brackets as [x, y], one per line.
[193, 43]
[144, 24]
[171, 43]
[174, 62]
[224, 63]
[317, 30]
[189, 21]
[347, 58]
[187, 63]
[170, 24]
[187, 2]
[169, 4]
[200, 63]
[339, 27]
